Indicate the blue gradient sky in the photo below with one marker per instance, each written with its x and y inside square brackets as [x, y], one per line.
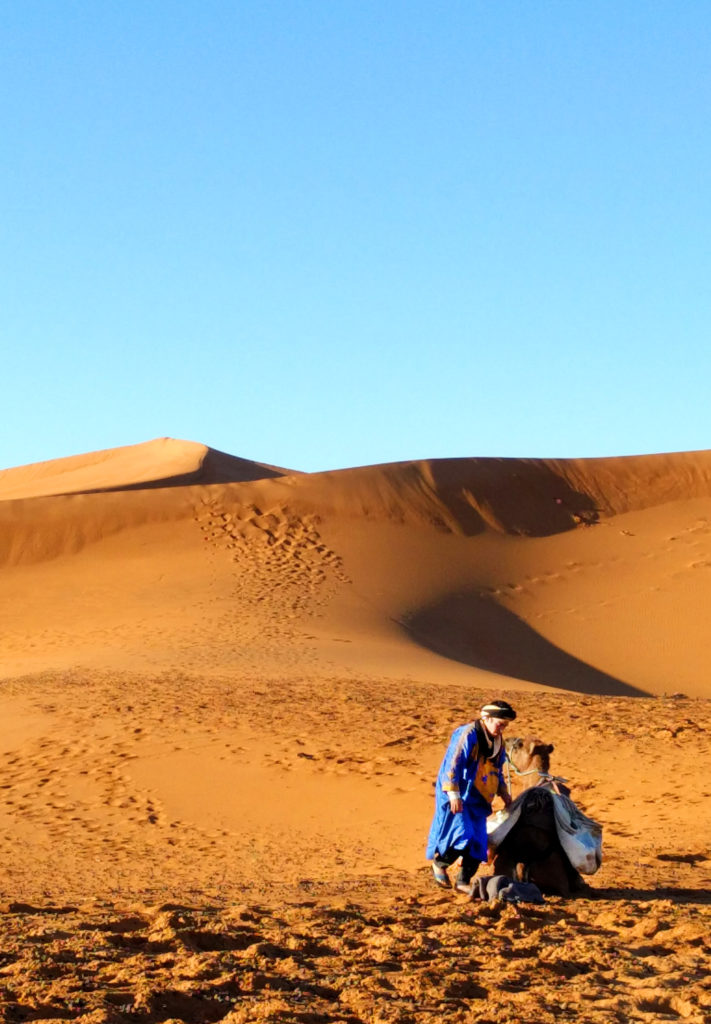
[325, 233]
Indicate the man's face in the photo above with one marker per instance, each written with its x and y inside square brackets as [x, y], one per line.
[494, 726]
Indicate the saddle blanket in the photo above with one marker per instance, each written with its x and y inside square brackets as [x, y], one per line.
[580, 836]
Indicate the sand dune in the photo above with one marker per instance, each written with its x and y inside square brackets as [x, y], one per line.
[164, 462]
[225, 691]
[588, 577]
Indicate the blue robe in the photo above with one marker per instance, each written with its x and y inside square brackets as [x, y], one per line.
[464, 769]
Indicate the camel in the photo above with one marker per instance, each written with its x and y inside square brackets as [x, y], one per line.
[526, 844]
[528, 765]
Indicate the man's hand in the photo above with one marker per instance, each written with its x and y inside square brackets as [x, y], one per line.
[455, 803]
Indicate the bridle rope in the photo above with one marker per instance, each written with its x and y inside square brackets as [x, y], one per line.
[510, 766]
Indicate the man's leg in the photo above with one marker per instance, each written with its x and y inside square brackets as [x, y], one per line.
[440, 863]
[467, 871]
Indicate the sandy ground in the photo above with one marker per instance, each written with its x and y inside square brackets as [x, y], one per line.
[224, 702]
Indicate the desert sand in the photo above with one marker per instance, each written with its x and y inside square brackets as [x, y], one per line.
[226, 689]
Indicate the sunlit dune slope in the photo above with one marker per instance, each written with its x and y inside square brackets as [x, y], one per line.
[164, 462]
[586, 575]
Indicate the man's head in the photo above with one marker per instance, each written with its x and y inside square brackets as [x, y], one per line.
[496, 715]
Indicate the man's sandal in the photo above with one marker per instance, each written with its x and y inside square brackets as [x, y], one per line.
[440, 876]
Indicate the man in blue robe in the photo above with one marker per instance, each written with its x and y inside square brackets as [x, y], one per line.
[469, 778]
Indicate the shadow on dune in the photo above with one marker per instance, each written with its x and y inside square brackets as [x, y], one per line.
[216, 468]
[466, 497]
[517, 496]
[474, 630]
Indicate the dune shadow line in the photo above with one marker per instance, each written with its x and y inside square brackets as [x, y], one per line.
[475, 630]
[216, 468]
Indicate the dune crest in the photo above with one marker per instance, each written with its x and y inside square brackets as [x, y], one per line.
[526, 497]
[163, 462]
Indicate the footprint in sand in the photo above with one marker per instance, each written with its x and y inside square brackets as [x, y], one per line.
[281, 564]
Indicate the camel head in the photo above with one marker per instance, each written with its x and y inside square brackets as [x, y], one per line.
[529, 752]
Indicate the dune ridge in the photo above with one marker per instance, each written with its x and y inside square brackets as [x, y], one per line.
[531, 497]
[163, 462]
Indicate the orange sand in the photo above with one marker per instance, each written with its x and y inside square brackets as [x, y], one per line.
[229, 686]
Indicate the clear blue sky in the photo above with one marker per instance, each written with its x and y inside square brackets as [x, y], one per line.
[326, 233]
